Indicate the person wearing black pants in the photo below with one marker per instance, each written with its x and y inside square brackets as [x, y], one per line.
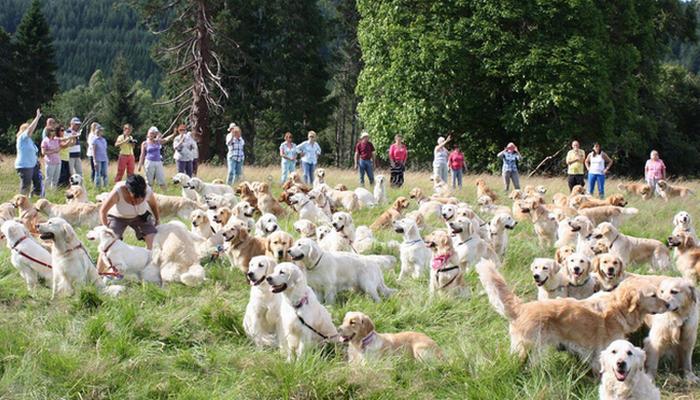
[574, 162]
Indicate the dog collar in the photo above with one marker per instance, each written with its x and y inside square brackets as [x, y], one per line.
[22, 239]
[259, 281]
[79, 246]
[367, 339]
[305, 203]
[413, 241]
[317, 261]
[540, 284]
[109, 247]
[611, 289]
[212, 229]
[583, 284]
[468, 239]
[439, 261]
[304, 300]
[614, 240]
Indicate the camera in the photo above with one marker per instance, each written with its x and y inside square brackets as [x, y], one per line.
[133, 141]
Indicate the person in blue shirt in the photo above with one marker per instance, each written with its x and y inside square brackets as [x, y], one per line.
[510, 156]
[27, 162]
[309, 150]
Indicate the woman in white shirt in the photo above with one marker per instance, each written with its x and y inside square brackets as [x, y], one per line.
[598, 164]
[440, 155]
[184, 147]
[309, 150]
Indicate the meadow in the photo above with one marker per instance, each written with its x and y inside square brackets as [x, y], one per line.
[177, 342]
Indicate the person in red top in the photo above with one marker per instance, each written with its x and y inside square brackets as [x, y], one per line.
[457, 166]
[398, 154]
[364, 158]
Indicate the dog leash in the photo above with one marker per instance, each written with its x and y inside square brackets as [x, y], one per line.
[305, 300]
[439, 271]
[110, 266]
[27, 256]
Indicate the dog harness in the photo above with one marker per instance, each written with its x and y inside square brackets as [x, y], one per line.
[437, 264]
[305, 300]
[27, 256]
[111, 269]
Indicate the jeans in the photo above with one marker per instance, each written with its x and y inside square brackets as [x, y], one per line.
[126, 162]
[511, 176]
[592, 179]
[457, 178]
[76, 166]
[235, 170]
[366, 167]
[574, 180]
[53, 172]
[308, 172]
[92, 168]
[30, 178]
[100, 173]
[185, 167]
[441, 171]
[288, 167]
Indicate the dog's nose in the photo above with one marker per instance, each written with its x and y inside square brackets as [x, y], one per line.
[269, 279]
[250, 274]
[537, 277]
[577, 269]
[611, 270]
[621, 364]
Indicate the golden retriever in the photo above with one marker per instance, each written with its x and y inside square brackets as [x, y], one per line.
[550, 280]
[613, 214]
[688, 262]
[545, 225]
[613, 200]
[640, 189]
[483, 190]
[246, 193]
[446, 275]
[28, 213]
[577, 269]
[570, 322]
[667, 191]
[76, 194]
[631, 249]
[278, 245]
[390, 215]
[175, 206]
[622, 374]
[609, 271]
[562, 252]
[365, 343]
[266, 203]
[241, 247]
[76, 214]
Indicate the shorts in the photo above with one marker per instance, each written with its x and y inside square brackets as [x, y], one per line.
[142, 225]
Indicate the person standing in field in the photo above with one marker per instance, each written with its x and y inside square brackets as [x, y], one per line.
[184, 150]
[152, 158]
[598, 164]
[440, 155]
[64, 155]
[126, 162]
[457, 166]
[309, 150]
[236, 155]
[510, 157]
[51, 147]
[27, 162]
[288, 152]
[575, 159]
[99, 147]
[90, 150]
[654, 170]
[74, 162]
[365, 159]
[398, 155]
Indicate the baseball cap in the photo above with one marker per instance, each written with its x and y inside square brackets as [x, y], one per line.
[75, 120]
[232, 125]
[364, 134]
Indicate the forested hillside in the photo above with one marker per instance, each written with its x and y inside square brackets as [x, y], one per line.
[88, 35]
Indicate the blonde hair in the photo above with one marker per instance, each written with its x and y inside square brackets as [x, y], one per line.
[312, 134]
[93, 126]
[288, 134]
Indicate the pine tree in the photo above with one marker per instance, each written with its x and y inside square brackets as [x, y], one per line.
[35, 60]
[120, 105]
[8, 84]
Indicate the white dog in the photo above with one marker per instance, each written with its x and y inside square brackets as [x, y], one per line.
[623, 374]
[174, 252]
[305, 322]
[31, 259]
[551, 282]
[266, 224]
[470, 247]
[331, 272]
[499, 226]
[214, 201]
[683, 222]
[307, 209]
[183, 180]
[365, 197]
[305, 228]
[205, 189]
[122, 258]
[261, 321]
[380, 189]
[321, 200]
[415, 255]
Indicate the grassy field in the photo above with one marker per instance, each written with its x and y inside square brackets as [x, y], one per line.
[180, 342]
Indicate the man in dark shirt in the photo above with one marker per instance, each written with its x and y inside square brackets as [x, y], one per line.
[364, 158]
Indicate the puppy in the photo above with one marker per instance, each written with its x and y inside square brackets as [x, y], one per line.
[266, 225]
[675, 331]
[391, 214]
[622, 374]
[614, 200]
[175, 254]
[28, 213]
[76, 214]
[609, 271]
[551, 282]
[631, 249]
[640, 189]
[688, 262]
[305, 228]
[278, 245]
[330, 272]
[307, 209]
[570, 322]
[614, 215]
[26, 254]
[241, 247]
[204, 189]
[483, 190]
[76, 194]
[365, 343]
[499, 226]
[175, 206]
[380, 190]
[267, 203]
[124, 259]
[446, 275]
[415, 256]
[261, 320]
[183, 181]
[578, 273]
[305, 322]
[667, 191]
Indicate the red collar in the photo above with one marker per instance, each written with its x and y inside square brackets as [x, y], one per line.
[304, 300]
[22, 239]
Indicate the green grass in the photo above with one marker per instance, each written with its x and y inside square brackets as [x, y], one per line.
[180, 342]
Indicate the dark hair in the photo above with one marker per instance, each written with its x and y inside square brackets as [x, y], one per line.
[136, 185]
[597, 144]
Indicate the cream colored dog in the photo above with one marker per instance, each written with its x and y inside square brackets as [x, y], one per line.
[415, 256]
[631, 249]
[578, 273]
[122, 258]
[266, 225]
[365, 343]
[175, 254]
[183, 181]
[470, 247]
[623, 377]
[76, 214]
[305, 228]
[31, 259]
[380, 190]
[204, 189]
[261, 320]
[499, 226]
[551, 281]
[175, 206]
[307, 209]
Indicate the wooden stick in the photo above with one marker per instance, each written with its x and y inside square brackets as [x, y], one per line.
[544, 161]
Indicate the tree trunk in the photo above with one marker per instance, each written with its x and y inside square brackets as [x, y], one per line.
[199, 116]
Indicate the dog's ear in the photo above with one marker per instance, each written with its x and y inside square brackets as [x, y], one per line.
[634, 297]
[268, 245]
[642, 356]
[595, 263]
[470, 228]
[556, 267]
[243, 233]
[622, 266]
[367, 325]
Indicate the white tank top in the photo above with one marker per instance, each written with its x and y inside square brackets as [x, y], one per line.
[123, 209]
[597, 164]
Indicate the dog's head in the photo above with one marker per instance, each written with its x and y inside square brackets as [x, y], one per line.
[244, 189]
[577, 189]
[42, 205]
[235, 232]
[641, 299]
[608, 267]
[322, 231]
[485, 200]
[278, 245]
[263, 187]
[199, 217]
[400, 203]
[57, 230]
[341, 220]
[683, 240]
[415, 193]
[618, 200]
[525, 206]
[462, 224]
[259, 268]
[606, 231]
[480, 183]
[20, 201]
[100, 197]
[563, 252]
[305, 228]
[320, 174]
[356, 326]
[13, 230]
[243, 209]
[285, 276]
[181, 179]
[679, 293]
[267, 224]
[581, 224]
[502, 220]
[195, 184]
[439, 242]
[76, 180]
[578, 268]
[683, 219]
[516, 194]
[622, 359]
[298, 198]
[662, 184]
[379, 179]
[222, 215]
[101, 234]
[543, 269]
[341, 187]
[560, 200]
[405, 225]
[448, 211]
[577, 200]
[304, 249]
[74, 192]
[214, 201]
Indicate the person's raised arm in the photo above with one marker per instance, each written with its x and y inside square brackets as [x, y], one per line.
[151, 199]
[35, 121]
[107, 204]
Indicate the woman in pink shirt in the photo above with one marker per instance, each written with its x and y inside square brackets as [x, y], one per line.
[457, 165]
[654, 170]
[398, 154]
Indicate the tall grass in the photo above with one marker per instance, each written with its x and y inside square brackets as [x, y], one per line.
[180, 342]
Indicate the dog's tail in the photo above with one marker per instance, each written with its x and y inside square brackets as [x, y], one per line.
[384, 262]
[630, 211]
[621, 187]
[500, 296]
